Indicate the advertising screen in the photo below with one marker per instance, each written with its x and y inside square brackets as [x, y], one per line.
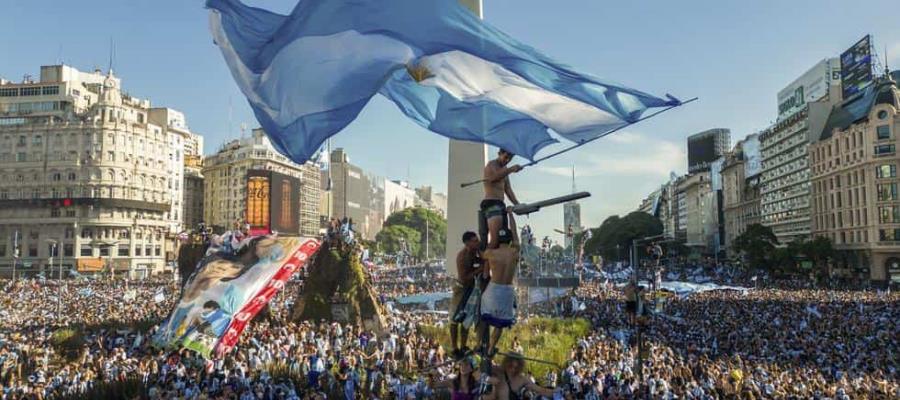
[285, 204]
[273, 202]
[701, 152]
[258, 185]
[856, 67]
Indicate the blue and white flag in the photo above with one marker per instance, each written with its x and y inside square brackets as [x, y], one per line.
[307, 75]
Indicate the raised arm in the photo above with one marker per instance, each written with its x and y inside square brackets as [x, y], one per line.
[546, 392]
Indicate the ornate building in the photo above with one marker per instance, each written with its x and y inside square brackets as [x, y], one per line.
[86, 176]
[855, 201]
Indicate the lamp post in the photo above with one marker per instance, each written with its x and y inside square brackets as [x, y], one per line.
[53, 244]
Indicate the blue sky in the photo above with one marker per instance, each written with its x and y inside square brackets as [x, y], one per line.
[734, 55]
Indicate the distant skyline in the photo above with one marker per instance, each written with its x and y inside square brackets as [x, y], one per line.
[734, 56]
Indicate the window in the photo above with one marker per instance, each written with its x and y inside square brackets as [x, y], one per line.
[32, 250]
[86, 251]
[68, 250]
[887, 192]
[56, 177]
[30, 91]
[54, 212]
[70, 213]
[881, 114]
[138, 250]
[9, 92]
[21, 157]
[37, 140]
[72, 176]
[104, 251]
[889, 214]
[883, 132]
[50, 90]
[157, 250]
[886, 171]
[123, 250]
[889, 235]
[2, 249]
[884, 149]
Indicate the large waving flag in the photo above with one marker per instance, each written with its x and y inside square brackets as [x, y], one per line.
[307, 75]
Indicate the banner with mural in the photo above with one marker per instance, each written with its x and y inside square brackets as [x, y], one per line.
[229, 287]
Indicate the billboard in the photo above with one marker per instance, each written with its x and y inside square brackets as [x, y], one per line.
[856, 67]
[811, 86]
[706, 147]
[273, 202]
[752, 157]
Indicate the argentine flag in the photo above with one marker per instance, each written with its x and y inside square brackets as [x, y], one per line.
[307, 75]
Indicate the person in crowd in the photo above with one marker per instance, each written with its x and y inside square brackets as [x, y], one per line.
[496, 189]
[498, 302]
[468, 266]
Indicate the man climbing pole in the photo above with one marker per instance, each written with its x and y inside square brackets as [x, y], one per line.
[496, 190]
[468, 266]
[498, 303]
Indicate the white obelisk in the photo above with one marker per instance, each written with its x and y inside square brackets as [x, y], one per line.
[466, 163]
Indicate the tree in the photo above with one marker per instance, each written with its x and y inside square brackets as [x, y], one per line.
[419, 219]
[757, 244]
[391, 239]
[819, 250]
[621, 231]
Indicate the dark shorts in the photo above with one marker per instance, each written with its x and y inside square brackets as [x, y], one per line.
[631, 307]
[493, 208]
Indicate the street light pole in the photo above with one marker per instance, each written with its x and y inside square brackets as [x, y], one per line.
[53, 243]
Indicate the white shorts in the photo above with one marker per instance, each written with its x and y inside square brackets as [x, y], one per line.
[498, 305]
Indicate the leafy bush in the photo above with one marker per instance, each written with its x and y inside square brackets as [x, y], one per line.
[548, 339]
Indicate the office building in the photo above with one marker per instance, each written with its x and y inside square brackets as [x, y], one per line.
[740, 190]
[803, 107]
[225, 182]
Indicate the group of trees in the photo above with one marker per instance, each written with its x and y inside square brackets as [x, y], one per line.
[613, 238]
[760, 248]
[410, 228]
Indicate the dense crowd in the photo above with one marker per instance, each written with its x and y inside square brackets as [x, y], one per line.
[765, 343]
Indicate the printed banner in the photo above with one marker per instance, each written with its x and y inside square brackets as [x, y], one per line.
[228, 290]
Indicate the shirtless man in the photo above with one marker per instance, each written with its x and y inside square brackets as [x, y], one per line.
[496, 190]
[510, 382]
[468, 265]
[498, 302]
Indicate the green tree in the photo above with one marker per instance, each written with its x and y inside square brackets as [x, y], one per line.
[819, 250]
[391, 239]
[758, 245]
[419, 219]
[621, 231]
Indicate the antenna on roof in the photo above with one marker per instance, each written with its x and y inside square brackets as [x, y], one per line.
[111, 53]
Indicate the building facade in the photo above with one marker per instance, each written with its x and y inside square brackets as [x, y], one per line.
[225, 182]
[854, 184]
[785, 181]
[698, 221]
[351, 194]
[706, 147]
[85, 176]
[740, 195]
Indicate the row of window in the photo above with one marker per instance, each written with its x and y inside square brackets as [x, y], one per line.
[29, 91]
[35, 106]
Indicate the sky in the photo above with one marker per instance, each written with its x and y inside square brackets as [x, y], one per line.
[734, 55]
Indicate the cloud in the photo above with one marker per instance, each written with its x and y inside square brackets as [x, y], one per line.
[632, 155]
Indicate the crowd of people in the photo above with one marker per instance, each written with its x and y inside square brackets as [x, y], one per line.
[775, 341]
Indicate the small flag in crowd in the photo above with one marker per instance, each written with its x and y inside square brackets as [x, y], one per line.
[160, 295]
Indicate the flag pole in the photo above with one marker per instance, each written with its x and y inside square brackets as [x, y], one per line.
[577, 145]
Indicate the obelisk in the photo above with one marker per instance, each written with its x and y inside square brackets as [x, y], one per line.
[466, 163]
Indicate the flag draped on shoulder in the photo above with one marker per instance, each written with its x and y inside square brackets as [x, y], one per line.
[307, 75]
